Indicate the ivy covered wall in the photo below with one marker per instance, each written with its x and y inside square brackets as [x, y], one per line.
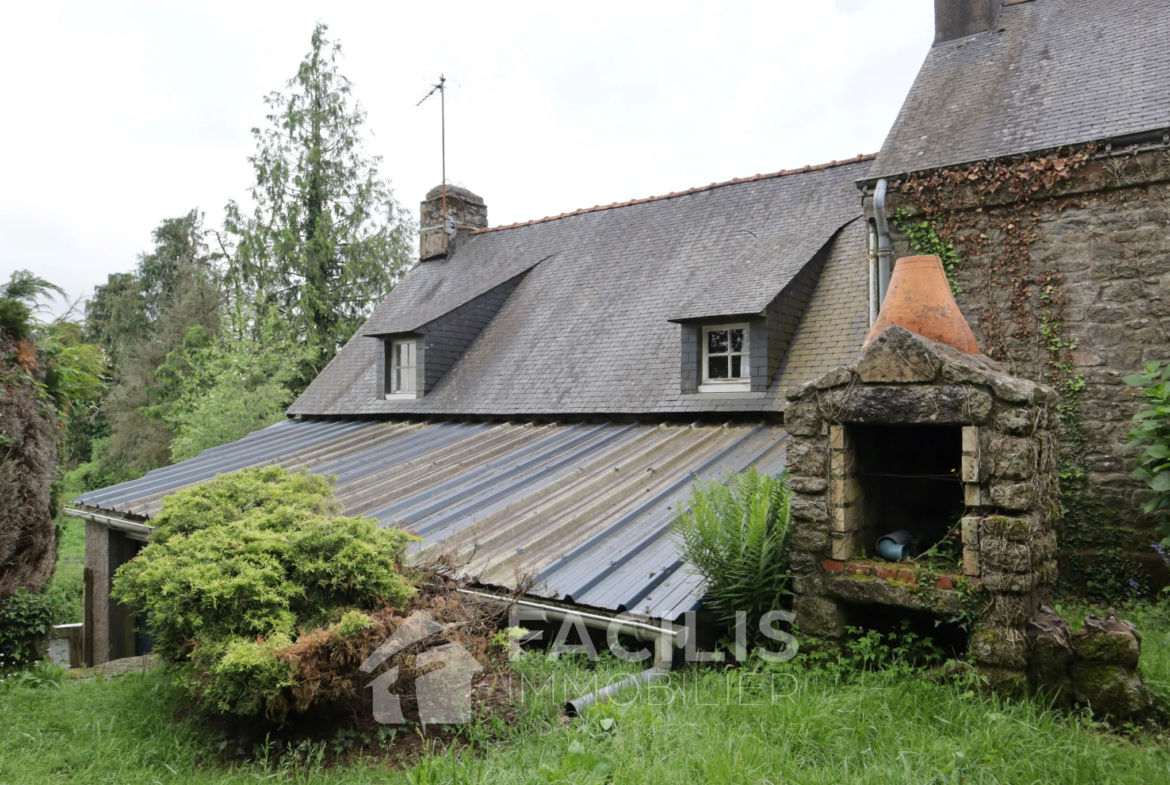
[1061, 263]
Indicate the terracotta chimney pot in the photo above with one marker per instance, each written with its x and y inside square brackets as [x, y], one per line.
[920, 299]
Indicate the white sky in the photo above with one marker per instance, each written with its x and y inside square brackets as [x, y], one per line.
[119, 114]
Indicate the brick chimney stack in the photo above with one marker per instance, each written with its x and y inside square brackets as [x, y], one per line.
[466, 212]
[959, 18]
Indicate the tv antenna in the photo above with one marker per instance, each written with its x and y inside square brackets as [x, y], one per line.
[441, 88]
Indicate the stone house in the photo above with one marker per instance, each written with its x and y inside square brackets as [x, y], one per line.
[538, 398]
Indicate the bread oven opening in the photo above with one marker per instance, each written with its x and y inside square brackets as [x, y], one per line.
[910, 479]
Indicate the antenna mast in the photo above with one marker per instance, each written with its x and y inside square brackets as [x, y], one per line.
[441, 89]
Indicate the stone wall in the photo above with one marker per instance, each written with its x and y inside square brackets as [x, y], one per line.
[1102, 239]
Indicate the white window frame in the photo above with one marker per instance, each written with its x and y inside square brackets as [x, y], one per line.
[741, 384]
[401, 395]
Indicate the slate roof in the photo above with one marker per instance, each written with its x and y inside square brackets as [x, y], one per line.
[1059, 73]
[836, 321]
[587, 330]
[584, 508]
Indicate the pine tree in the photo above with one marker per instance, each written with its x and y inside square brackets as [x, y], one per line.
[326, 240]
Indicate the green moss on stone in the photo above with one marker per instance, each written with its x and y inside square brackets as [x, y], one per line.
[1106, 647]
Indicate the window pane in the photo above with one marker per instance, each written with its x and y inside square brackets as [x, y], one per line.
[736, 364]
[410, 348]
[407, 380]
[717, 342]
[717, 367]
[736, 341]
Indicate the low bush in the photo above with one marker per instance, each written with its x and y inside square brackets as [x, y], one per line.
[244, 565]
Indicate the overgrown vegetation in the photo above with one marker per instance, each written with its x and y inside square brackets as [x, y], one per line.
[25, 621]
[735, 534]
[66, 587]
[47, 375]
[52, 356]
[224, 388]
[926, 242]
[779, 723]
[242, 566]
[1151, 434]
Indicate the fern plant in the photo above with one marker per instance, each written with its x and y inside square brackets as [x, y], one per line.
[735, 535]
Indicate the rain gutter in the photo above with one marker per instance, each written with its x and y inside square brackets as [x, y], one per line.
[676, 635]
[141, 530]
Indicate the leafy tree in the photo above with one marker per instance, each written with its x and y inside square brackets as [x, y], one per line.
[140, 319]
[128, 305]
[735, 535]
[140, 438]
[19, 302]
[225, 387]
[180, 251]
[327, 239]
[116, 314]
[69, 369]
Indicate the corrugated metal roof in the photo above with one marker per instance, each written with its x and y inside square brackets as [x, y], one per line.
[585, 508]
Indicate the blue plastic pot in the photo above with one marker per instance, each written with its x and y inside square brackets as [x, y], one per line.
[894, 546]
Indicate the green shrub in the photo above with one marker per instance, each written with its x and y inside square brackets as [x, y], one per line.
[24, 619]
[242, 565]
[1151, 431]
[242, 676]
[735, 534]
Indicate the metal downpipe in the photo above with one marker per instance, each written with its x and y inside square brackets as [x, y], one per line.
[872, 285]
[884, 251]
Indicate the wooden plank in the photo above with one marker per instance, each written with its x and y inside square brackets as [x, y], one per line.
[87, 617]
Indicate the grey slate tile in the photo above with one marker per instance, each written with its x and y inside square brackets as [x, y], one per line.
[1059, 73]
[587, 329]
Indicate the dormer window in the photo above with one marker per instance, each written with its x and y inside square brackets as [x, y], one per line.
[401, 369]
[726, 359]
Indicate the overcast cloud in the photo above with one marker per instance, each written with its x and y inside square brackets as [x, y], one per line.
[118, 115]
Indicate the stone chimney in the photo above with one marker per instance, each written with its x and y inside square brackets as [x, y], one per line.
[466, 212]
[958, 18]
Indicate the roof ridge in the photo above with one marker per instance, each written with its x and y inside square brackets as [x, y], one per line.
[674, 194]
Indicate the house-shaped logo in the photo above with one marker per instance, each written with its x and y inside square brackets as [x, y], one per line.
[444, 694]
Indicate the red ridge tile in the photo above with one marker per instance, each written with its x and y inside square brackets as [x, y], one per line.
[734, 181]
